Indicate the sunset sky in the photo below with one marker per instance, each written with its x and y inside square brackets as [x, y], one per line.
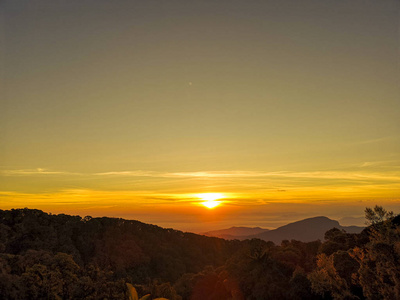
[289, 109]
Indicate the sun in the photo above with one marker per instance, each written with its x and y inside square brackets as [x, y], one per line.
[210, 199]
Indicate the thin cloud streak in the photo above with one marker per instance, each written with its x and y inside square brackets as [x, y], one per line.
[383, 163]
[138, 173]
[334, 175]
[288, 174]
[378, 140]
[38, 171]
[250, 174]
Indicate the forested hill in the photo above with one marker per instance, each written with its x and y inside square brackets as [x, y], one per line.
[112, 242]
[130, 249]
[44, 256]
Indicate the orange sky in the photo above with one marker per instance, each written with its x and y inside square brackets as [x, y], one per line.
[131, 109]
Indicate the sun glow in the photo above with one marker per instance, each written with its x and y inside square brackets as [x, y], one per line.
[210, 199]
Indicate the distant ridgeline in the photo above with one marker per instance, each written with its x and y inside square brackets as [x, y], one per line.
[44, 256]
[306, 230]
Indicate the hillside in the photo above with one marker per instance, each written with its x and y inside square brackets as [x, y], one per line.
[126, 248]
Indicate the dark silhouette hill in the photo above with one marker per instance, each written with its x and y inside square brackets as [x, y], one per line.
[232, 233]
[124, 246]
[306, 230]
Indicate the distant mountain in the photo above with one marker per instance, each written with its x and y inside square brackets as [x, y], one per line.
[306, 230]
[239, 233]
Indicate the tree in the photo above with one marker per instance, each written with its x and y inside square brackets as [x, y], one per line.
[377, 215]
[379, 259]
[326, 279]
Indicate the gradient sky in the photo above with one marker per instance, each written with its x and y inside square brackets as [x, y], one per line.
[131, 108]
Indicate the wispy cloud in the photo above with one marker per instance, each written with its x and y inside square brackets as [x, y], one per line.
[383, 163]
[289, 174]
[37, 171]
[85, 198]
[136, 173]
[328, 175]
[377, 140]
[89, 198]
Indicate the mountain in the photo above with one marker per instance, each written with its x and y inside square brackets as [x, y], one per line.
[239, 233]
[306, 230]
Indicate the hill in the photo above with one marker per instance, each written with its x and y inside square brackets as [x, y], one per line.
[306, 230]
[102, 251]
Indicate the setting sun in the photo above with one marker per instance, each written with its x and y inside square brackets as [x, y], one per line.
[210, 199]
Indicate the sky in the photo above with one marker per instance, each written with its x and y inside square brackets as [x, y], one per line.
[288, 108]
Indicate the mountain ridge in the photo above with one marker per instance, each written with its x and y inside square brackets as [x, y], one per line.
[306, 230]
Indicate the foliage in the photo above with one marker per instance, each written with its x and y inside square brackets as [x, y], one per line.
[99, 255]
[44, 256]
[379, 260]
[133, 295]
[361, 266]
[327, 276]
[377, 215]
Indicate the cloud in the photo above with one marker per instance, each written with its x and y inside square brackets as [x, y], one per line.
[378, 140]
[37, 171]
[250, 174]
[383, 163]
[329, 175]
[288, 174]
[369, 164]
[137, 173]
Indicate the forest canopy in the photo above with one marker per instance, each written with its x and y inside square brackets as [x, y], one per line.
[45, 256]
